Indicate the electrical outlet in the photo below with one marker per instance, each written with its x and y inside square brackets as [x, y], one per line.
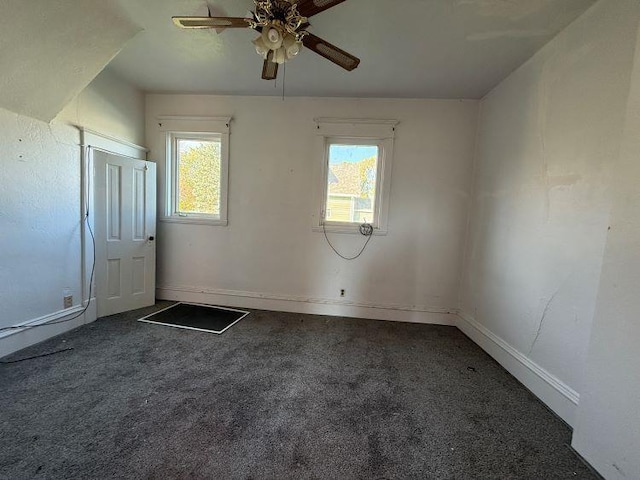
[68, 301]
[342, 292]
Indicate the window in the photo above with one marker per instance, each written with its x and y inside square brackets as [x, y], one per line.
[356, 173]
[197, 170]
[196, 173]
[352, 182]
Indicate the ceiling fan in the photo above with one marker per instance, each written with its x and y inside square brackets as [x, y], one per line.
[282, 25]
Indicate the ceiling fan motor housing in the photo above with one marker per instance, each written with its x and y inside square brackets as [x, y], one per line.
[282, 8]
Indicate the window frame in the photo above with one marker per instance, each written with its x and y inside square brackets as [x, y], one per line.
[356, 141]
[194, 128]
[380, 133]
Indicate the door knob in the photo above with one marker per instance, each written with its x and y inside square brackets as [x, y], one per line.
[151, 239]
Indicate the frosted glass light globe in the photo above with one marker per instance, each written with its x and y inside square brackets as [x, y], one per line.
[274, 35]
[292, 46]
[272, 38]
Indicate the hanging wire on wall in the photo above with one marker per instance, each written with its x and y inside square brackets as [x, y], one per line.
[366, 229]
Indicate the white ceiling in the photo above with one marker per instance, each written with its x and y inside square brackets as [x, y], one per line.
[408, 48]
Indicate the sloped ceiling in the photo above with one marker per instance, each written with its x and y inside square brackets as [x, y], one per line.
[50, 50]
[409, 48]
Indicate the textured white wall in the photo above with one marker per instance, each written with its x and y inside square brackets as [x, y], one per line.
[269, 248]
[40, 213]
[547, 138]
[40, 217]
[607, 430]
[50, 51]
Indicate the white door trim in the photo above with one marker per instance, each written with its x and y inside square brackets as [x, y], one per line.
[109, 144]
[90, 141]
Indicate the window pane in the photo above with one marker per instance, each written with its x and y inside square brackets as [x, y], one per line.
[199, 176]
[351, 183]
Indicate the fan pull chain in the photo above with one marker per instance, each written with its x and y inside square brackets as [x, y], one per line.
[284, 78]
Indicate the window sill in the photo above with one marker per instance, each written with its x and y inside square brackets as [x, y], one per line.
[349, 230]
[195, 221]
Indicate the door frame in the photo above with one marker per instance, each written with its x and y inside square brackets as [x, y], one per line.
[90, 140]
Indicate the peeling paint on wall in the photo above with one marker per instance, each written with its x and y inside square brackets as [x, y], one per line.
[555, 181]
[512, 9]
[514, 33]
[542, 320]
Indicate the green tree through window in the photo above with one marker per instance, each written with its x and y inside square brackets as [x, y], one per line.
[199, 177]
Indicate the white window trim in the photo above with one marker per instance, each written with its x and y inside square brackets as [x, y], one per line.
[356, 132]
[205, 128]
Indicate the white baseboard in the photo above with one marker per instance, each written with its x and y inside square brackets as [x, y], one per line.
[13, 340]
[558, 396]
[314, 306]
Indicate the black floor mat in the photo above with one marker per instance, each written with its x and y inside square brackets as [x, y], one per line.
[204, 318]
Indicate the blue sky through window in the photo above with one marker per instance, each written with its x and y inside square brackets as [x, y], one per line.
[351, 153]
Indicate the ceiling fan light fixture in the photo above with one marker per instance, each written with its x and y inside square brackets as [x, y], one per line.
[272, 37]
[292, 46]
[280, 55]
[283, 31]
[261, 48]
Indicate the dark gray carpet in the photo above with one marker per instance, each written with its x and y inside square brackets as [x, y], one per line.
[277, 396]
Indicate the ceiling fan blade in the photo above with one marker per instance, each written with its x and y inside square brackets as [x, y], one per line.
[331, 52]
[211, 22]
[309, 8]
[270, 68]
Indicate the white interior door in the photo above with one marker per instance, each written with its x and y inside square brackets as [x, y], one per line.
[125, 229]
